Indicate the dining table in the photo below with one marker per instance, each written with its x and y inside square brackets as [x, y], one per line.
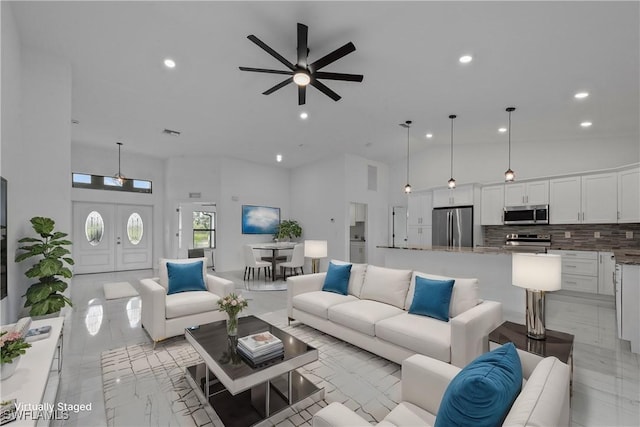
[274, 248]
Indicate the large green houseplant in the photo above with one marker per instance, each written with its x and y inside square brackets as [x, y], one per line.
[45, 296]
[288, 229]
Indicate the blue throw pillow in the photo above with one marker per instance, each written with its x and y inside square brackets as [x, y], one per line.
[337, 279]
[185, 277]
[432, 297]
[483, 392]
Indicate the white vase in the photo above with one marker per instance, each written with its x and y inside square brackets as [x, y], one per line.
[8, 369]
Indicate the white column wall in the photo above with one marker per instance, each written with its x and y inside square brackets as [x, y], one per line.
[36, 147]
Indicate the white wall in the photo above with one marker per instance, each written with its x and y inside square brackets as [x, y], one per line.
[101, 161]
[36, 134]
[229, 183]
[11, 131]
[356, 190]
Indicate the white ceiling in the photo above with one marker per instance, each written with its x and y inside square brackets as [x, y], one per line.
[532, 55]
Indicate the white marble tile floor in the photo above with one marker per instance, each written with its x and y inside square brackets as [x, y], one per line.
[606, 388]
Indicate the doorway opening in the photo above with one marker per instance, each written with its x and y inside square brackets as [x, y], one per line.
[358, 233]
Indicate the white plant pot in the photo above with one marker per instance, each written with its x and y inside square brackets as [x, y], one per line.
[8, 369]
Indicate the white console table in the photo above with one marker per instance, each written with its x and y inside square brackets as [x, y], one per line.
[36, 379]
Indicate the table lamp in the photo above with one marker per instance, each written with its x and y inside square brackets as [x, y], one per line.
[315, 249]
[537, 273]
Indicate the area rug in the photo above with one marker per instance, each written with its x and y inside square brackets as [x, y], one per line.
[146, 386]
[119, 290]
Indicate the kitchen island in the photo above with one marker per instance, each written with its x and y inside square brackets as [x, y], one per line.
[490, 265]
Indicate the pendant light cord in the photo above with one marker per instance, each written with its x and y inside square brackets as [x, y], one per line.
[509, 138]
[407, 154]
[452, 117]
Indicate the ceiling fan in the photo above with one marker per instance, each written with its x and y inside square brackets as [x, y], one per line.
[304, 73]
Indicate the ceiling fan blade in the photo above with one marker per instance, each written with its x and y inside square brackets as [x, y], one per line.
[324, 89]
[271, 52]
[332, 57]
[303, 32]
[264, 70]
[302, 95]
[338, 76]
[278, 86]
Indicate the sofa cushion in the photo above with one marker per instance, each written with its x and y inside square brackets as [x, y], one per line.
[421, 334]
[408, 414]
[164, 274]
[431, 298]
[318, 302]
[362, 315]
[185, 277]
[357, 276]
[463, 297]
[482, 393]
[387, 285]
[188, 303]
[337, 278]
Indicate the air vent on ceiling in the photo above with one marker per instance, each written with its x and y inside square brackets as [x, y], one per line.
[171, 132]
[195, 195]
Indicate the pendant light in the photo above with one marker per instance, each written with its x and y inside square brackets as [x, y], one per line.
[407, 125]
[452, 182]
[119, 177]
[509, 175]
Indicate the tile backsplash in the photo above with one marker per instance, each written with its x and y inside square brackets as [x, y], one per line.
[612, 236]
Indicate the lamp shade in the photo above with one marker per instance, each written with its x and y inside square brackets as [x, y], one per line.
[315, 248]
[541, 272]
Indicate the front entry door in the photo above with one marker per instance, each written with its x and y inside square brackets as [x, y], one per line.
[109, 237]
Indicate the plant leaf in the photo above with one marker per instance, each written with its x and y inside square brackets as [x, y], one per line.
[60, 242]
[42, 225]
[69, 261]
[30, 240]
[58, 235]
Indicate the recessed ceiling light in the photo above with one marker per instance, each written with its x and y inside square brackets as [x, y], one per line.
[465, 59]
[278, 158]
[581, 95]
[502, 130]
[304, 115]
[585, 124]
[429, 135]
[169, 63]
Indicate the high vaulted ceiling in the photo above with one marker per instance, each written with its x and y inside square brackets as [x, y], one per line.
[531, 55]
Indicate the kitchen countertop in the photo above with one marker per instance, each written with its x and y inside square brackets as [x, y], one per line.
[623, 256]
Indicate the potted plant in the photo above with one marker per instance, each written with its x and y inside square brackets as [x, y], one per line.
[45, 296]
[12, 346]
[288, 229]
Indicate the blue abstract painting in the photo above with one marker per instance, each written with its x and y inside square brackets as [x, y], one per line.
[260, 219]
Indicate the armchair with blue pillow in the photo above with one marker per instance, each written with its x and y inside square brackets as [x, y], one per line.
[183, 295]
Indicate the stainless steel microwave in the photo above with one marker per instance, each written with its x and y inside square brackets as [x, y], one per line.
[537, 214]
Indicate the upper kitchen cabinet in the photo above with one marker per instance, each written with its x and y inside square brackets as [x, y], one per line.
[629, 195]
[492, 205]
[419, 209]
[357, 213]
[526, 193]
[589, 199]
[459, 196]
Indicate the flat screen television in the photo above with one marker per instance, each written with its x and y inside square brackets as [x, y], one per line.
[3, 235]
[260, 219]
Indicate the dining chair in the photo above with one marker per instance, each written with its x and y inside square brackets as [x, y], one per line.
[251, 263]
[297, 261]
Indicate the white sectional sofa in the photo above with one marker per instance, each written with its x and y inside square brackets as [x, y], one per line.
[543, 401]
[374, 315]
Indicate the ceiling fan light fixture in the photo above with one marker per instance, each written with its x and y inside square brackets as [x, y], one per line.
[301, 78]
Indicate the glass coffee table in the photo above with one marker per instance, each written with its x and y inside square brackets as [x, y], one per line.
[240, 393]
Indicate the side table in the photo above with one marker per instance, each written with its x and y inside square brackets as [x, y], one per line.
[558, 344]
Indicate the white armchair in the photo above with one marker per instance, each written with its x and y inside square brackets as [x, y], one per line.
[543, 400]
[165, 316]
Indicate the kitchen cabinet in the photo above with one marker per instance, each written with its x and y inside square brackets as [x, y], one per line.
[492, 205]
[419, 236]
[459, 196]
[526, 193]
[627, 302]
[629, 195]
[357, 252]
[587, 271]
[587, 199]
[419, 209]
[357, 213]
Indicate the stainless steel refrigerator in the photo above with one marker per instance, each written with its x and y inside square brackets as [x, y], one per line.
[453, 226]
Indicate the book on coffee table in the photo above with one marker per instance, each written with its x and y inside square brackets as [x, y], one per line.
[260, 344]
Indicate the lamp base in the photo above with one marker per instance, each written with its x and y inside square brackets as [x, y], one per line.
[535, 315]
[315, 265]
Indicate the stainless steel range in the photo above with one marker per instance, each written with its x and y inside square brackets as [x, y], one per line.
[527, 242]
